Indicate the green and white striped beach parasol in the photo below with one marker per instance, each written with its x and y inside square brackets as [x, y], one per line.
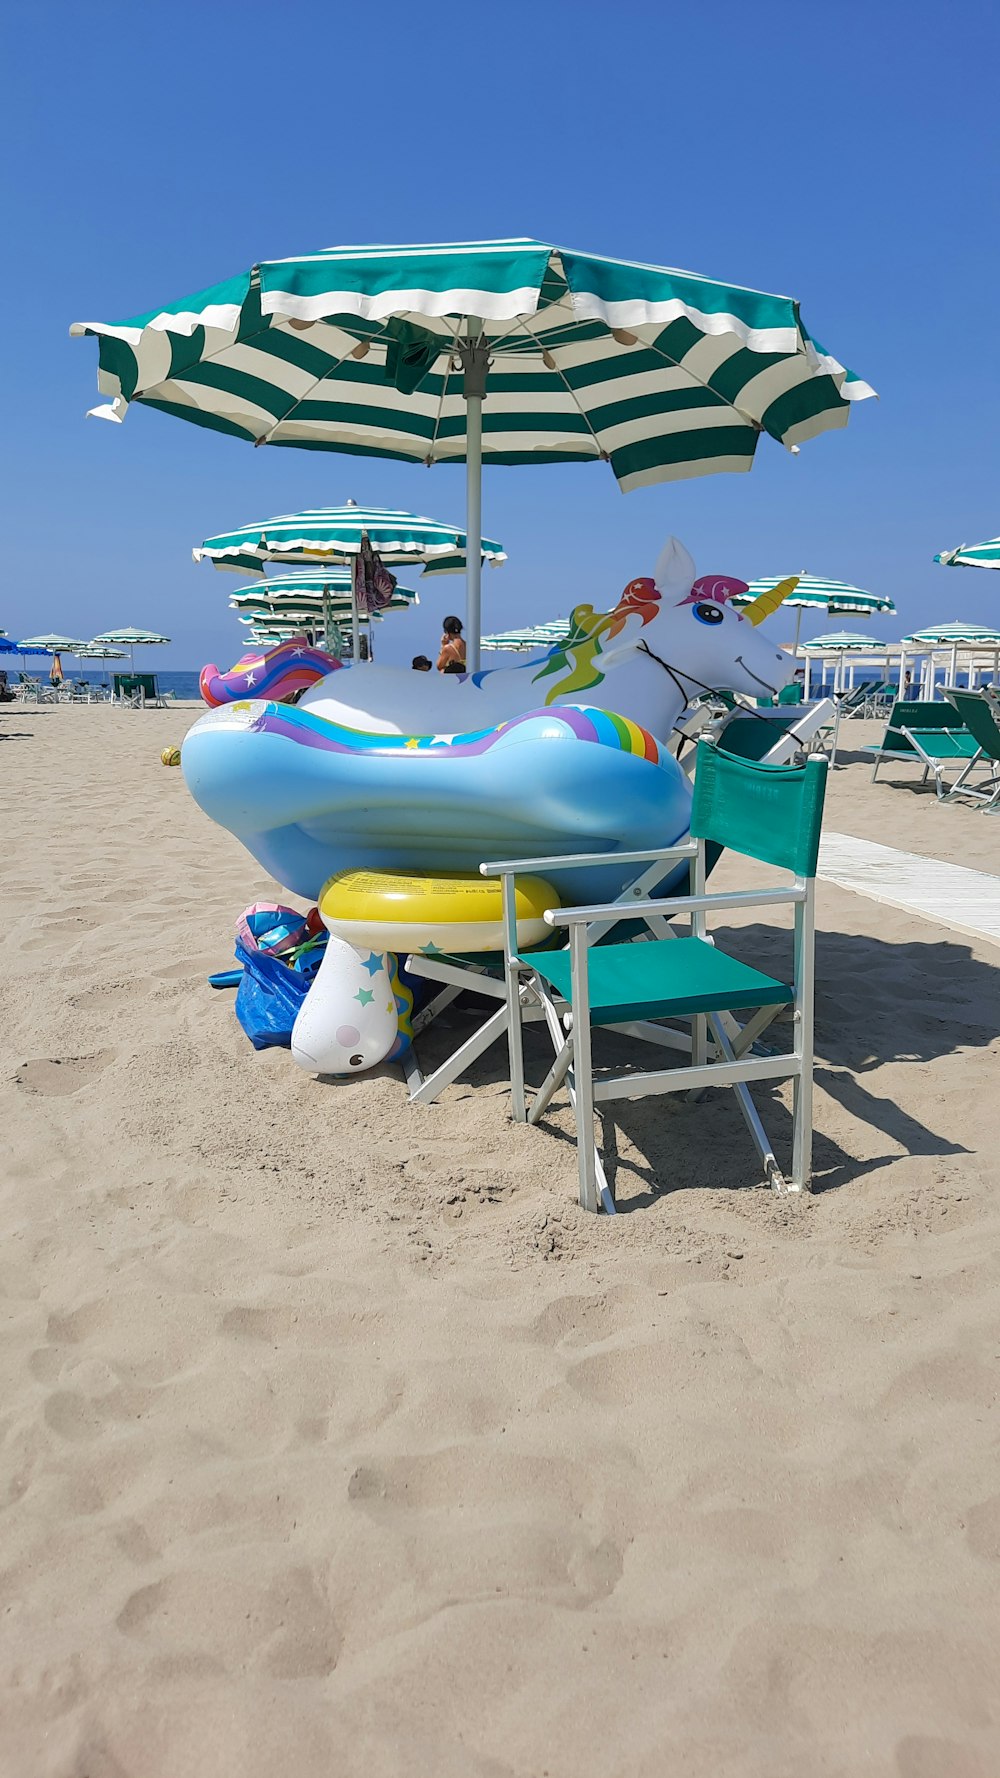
[816, 593]
[131, 639]
[54, 644]
[333, 533]
[392, 351]
[533, 636]
[972, 555]
[310, 598]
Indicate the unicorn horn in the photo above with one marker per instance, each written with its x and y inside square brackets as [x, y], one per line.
[765, 603]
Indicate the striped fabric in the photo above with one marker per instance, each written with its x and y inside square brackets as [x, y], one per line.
[842, 641]
[333, 533]
[662, 373]
[947, 635]
[972, 555]
[816, 593]
[534, 636]
[288, 596]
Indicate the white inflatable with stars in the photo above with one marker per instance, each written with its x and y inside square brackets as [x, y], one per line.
[348, 1020]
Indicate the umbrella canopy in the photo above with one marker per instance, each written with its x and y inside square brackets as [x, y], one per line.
[310, 589]
[534, 636]
[131, 639]
[843, 640]
[94, 652]
[952, 635]
[54, 644]
[7, 647]
[816, 593]
[972, 555]
[390, 351]
[334, 533]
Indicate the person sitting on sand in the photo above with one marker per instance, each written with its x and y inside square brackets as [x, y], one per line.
[452, 656]
[421, 663]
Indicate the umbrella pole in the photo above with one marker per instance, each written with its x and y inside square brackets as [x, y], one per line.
[475, 363]
[798, 626]
[355, 628]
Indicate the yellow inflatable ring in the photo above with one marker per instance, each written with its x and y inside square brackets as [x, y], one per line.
[452, 911]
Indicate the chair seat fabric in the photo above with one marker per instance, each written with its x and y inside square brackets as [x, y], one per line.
[668, 976]
[947, 743]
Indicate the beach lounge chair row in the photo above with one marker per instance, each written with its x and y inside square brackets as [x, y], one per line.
[684, 993]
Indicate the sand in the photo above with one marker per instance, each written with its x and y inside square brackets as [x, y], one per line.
[337, 1440]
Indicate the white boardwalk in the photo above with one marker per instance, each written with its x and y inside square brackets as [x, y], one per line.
[966, 900]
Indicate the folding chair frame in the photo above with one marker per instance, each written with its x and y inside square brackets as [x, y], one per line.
[732, 1066]
[456, 977]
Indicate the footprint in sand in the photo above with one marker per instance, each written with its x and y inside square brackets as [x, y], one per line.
[52, 1077]
[111, 994]
[55, 1076]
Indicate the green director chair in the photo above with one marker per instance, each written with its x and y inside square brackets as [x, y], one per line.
[684, 992]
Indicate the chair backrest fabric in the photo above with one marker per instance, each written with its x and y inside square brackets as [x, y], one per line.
[127, 683]
[769, 812]
[750, 737]
[976, 713]
[919, 716]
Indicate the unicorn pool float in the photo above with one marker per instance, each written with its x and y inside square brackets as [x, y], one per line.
[379, 793]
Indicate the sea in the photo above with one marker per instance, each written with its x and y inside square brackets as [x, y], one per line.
[184, 685]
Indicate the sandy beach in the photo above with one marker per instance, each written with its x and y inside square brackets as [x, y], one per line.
[338, 1441]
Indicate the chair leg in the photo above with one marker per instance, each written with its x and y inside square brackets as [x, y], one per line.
[581, 1073]
[515, 1045]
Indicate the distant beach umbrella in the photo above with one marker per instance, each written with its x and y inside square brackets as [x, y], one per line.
[54, 644]
[533, 636]
[131, 639]
[972, 555]
[334, 533]
[315, 597]
[8, 648]
[511, 351]
[957, 638]
[815, 592]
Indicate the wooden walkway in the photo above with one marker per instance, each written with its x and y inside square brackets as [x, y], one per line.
[966, 900]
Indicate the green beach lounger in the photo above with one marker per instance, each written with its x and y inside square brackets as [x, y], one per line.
[979, 712]
[770, 813]
[931, 736]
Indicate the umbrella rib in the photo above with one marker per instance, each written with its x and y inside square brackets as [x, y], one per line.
[335, 366]
[581, 410]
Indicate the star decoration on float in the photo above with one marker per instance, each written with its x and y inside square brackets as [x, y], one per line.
[372, 963]
[365, 995]
[431, 950]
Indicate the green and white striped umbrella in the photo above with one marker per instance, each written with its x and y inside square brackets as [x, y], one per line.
[334, 533]
[56, 644]
[946, 635]
[843, 641]
[390, 351]
[972, 555]
[131, 639]
[534, 636]
[816, 593]
[310, 588]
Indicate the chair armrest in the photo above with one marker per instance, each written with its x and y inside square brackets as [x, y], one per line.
[677, 904]
[526, 866]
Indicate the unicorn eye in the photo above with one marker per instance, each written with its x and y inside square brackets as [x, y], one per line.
[708, 614]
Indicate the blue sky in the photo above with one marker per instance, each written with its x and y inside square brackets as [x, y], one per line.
[843, 154]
